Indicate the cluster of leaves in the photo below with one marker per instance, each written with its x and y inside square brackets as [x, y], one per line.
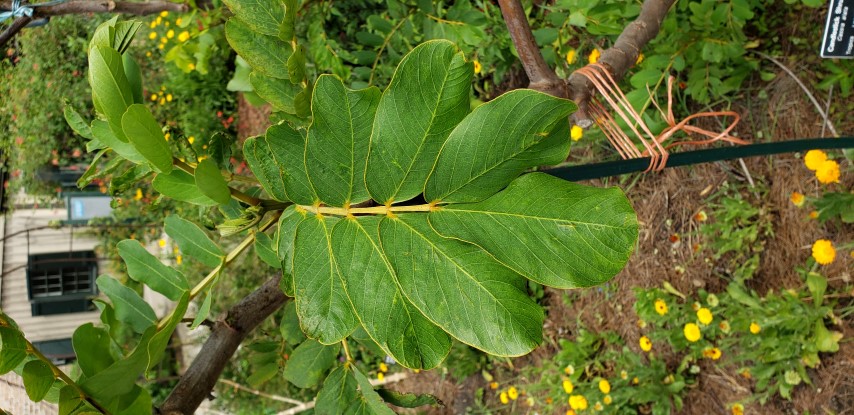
[771, 340]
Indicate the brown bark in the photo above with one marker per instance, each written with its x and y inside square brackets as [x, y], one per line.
[12, 30]
[226, 336]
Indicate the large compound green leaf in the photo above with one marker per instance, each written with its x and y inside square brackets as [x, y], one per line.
[111, 90]
[309, 362]
[554, 232]
[265, 54]
[193, 241]
[322, 305]
[288, 148]
[142, 130]
[427, 97]
[145, 268]
[262, 16]
[388, 317]
[260, 159]
[181, 186]
[461, 288]
[130, 308]
[346, 391]
[495, 143]
[338, 139]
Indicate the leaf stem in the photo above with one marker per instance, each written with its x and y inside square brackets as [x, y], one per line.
[56, 371]
[373, 210]
[346, 350]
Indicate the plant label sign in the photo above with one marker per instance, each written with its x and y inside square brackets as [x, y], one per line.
[839, 30]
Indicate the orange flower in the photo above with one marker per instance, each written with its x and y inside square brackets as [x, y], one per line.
[797, 199]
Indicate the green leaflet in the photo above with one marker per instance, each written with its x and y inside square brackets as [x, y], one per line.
[145, 268]
[265, 54]
[371, 284]
[346, 391]
[92, 347]
[280, 93]
[181, 186]
[288, 148]
[203, 311]
[322, 305]
[296, 66]
[427, 97]
[260, 159]
[266, 251]
[38, 379]
[130, 308]
[110, 87]
[76, 122]
[210, 182]
[461, 288]
[554, 232]
[193, 241]
[142, 130]
[13, 349]
[289, 326]
[495, 143]
[285, 235]
[338, 139]
[262, 16]
[408, 400]
[309, 362]
[134, 76]
[102, 132]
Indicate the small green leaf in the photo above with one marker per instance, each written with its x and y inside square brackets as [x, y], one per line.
[460, 288]
[265, 250]
[210, 182]
[296, 66]
[495, 143]
[111, 92]
[554, 232]
[144, 133]
[289, 327]
[262, 374]
[76, 122]
[280, 93]
[817, 285]
[338, 140]
[346, 391]
[70, 401]
[285, 235]
[408, 400]
[309, 362]
[258, 155]
[124, 32]
[324, 310]
[370, 397]
[130, 308]
[826, 340]
[13, 349]
[288, 148]
[262, 16]
[374, 290]
[203, 311]
[145, 268]
[265, 54]
[193, 241]
[38, 379]
[181, 186]
[428, 96]
[92, 348]
[102, 132]
[132, 72]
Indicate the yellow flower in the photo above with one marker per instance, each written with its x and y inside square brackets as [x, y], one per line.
[571, 57]
[814, 158]
[576, 133]
[167, 136]
[152, 35]
[594, 56]
[159, 20]
[635, 380]
[154, 97]
[567, 386]
[202, 157]
[162, 242]
[138, 194]
[607, 399]
[477, 66]
[754, 328]
[712, 353]
[147, 54]
[503, 398]
[570, 412]
[164, 13]
[641, 324]
[512, 393]
[191, 66]
[163, 40]
[724, 326]
[383, 367]
[797, 199]
[692, 332]
[190, 139]
[604, 386]
[179, 259]
[178, 21]
[578, 402]
[828, 172]
[493, 385]
[705, 316]
[168, 97]
[695, 306]
[624, 375]
[645, 344]
[162, 101]
[639, 59]
[813, 214]
[160, 46]
[153, 24]
[184, 36]
[598, 406]
[170, 34]
[823, 251]
[660, 307]
[738, 409]
[569, 370]
[380, 376]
